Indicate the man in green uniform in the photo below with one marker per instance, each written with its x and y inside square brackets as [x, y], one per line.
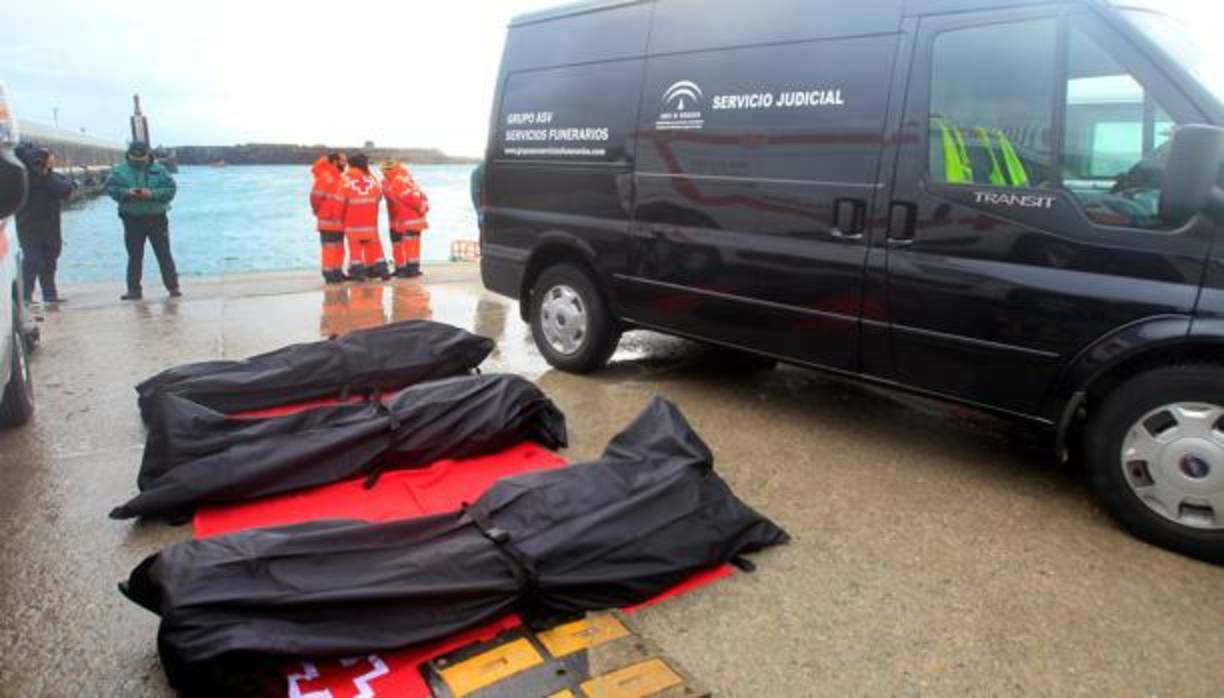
[144, 189]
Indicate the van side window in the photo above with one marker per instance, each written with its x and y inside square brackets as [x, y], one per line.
[1113, 152]
[992, 99]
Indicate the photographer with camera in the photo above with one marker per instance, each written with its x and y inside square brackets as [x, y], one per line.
[38, 223]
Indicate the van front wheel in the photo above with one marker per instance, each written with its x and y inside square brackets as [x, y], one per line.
[570, 320]
[1155, 453]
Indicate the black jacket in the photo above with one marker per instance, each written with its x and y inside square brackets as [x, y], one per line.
[39, 218]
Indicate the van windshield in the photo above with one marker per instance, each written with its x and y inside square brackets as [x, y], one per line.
[1203, 59]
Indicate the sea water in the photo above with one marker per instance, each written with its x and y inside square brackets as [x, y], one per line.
[248, 219]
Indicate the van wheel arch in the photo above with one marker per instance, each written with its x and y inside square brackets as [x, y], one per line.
[550, 255]
[1193, 351]
[1099, 387]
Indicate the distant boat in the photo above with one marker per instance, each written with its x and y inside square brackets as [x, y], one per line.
[217, 163]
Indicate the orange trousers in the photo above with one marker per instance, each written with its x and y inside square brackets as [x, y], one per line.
[406, 248]
[364, 249]
[332, 244]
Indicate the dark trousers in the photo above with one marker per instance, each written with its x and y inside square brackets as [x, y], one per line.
[155, 229]
[39, 259]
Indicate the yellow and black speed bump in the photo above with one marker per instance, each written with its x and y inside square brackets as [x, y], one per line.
[601, 656]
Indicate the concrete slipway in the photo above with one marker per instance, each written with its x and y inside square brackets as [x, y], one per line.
[936, 551]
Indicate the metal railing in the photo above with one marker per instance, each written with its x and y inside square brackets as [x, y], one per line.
[465, 251]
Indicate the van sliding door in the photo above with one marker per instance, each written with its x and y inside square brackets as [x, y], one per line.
[756, 170]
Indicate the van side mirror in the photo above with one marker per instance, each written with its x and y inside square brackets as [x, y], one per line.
[1192, 175]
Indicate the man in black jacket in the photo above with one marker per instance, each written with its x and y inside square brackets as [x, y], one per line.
[38, 223]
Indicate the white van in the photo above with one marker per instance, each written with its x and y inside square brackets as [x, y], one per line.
[17, 397]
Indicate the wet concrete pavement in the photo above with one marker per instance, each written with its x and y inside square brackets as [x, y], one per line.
[936, 551]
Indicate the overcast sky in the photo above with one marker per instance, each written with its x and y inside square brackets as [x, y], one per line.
[404, 73]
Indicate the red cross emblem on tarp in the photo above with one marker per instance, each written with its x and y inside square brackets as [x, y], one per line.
[346, 678]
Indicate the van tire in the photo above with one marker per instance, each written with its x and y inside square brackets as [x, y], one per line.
[30, 330]
[563, 296]
[1122, 416]
[17, 404]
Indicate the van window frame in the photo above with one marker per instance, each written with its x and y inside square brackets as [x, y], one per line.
[977, 20]
[1157, 84]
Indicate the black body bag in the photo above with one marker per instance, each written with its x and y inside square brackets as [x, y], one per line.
[196, 456]
[379, 359]
[608, 533]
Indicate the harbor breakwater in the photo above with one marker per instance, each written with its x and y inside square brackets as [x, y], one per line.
[287, 154]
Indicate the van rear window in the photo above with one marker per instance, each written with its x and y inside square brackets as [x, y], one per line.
[580, 114]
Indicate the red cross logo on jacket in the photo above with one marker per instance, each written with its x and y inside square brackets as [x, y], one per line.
[362, 185]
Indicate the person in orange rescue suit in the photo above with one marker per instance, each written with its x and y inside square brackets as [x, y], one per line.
[328, 205]
[407, 207]
[362, 196]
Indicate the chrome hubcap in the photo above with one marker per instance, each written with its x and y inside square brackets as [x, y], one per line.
[1173, 460]
[563, 318]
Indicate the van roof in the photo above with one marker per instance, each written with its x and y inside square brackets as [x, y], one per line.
[912, 7]
[922, 7]
[569, 9]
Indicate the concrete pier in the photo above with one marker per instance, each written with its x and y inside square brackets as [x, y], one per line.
[80, 157]
[936, 551]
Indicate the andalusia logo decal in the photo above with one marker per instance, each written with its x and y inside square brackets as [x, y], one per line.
[681, 107]
[682, 95]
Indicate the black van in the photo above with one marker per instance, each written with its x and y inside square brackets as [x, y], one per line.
[997, 202]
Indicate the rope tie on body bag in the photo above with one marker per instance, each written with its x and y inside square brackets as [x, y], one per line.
[393, 427]
[521, 565]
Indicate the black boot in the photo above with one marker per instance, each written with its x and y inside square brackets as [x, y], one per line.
[357, 272]
[379, 269]
[333, 276]
[409, 271]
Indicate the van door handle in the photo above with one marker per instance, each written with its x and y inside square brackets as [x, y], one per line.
[849, 219]
[902, 221]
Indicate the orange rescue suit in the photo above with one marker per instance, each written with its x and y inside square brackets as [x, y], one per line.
[407, 207]
[327, 203]
[362, 195]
